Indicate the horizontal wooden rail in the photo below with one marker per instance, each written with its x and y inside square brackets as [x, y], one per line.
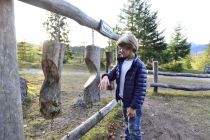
[181, 87]
[79, 131]
[66, 9]
[181, 74]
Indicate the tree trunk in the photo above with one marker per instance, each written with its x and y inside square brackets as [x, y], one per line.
[52, 60]
[11, 117]
[91, 90]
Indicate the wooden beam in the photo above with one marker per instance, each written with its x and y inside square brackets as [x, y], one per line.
[181, 74]
[66, 9]
[181, 87]
[83, 128]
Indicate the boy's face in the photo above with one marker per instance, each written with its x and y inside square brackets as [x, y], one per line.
[125, 52]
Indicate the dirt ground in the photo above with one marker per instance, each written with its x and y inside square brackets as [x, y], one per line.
[175, 118]
[165, 117]
[37, 128]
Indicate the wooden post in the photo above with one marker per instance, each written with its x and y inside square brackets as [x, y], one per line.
[109, 60]
[155, 73]
[91, 90]
[50, 94]
[11, 117]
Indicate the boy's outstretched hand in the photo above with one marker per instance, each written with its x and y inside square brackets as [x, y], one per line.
[104, 83]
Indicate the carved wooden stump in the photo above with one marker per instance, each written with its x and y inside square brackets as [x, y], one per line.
[52, 60]
[91, 90]
[109, 60]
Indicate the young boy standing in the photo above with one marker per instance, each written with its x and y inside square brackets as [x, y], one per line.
[131, 75]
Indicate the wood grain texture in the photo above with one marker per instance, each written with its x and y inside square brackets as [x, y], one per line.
[91, 90]
[181, 74]
[50, 93]
[11, 117]
[180, 87]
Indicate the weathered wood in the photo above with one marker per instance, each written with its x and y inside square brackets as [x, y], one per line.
[207, 69]
[91, 90]
[11, 117]
[155, 74]
[83, 128]
[181, 74]
[23, 88]
[109, 61]
[66, 9]
[181, 87]
[52, 60]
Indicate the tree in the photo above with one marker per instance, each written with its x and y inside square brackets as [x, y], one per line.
[187, 61]
[178, 48]
[57, 27]
[22, 51]
[137, 17]
[200, 60]
[28, 53]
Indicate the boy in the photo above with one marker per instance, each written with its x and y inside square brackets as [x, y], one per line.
[130, 74]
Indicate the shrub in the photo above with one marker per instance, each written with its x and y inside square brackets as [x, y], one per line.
[172, 66]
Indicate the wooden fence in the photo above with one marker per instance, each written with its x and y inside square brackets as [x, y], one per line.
[156, 84]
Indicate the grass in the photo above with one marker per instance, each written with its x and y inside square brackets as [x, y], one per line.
[194, 105]
[29, 65]
[101, 130]
[73, 78]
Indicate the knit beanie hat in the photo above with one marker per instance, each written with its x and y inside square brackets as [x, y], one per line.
[128, 40]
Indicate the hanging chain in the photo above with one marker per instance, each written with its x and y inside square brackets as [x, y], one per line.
[51, 124]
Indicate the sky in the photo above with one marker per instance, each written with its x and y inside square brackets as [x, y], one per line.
[191, 14]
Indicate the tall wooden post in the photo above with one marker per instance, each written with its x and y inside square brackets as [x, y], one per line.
[11, 117]
[109, 60]
[91, 90]
[50, 94]
[155, 73]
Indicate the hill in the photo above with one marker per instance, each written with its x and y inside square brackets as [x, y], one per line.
[198, 48]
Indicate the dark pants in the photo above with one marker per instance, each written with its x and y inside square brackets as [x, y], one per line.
[132, 125]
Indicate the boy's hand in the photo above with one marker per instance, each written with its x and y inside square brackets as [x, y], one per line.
[104, 83]
[131, 112]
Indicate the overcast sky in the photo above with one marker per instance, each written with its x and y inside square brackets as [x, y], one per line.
[192, 14]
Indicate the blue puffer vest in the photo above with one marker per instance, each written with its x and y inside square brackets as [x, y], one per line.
[135, 83]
